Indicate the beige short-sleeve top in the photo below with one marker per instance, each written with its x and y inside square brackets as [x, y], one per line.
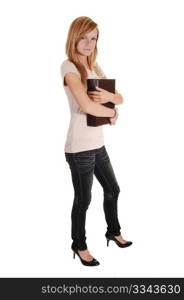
[80, 137]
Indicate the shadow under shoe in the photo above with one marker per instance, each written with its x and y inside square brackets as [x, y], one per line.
[110, 236]
[90, 263]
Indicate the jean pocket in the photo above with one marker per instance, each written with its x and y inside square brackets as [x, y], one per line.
[84, 158]
[85, 162]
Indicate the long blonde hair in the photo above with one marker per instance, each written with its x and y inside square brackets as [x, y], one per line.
[78, 28]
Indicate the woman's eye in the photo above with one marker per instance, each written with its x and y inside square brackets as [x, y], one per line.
[92, 38]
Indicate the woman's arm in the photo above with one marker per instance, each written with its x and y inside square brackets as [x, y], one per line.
[118, 98]
[86, 104]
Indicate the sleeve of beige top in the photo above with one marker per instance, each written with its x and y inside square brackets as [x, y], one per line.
[67, 67]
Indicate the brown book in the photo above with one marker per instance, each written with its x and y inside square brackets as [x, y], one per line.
[108, 85]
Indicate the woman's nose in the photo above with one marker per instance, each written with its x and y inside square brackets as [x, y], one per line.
[88, 41]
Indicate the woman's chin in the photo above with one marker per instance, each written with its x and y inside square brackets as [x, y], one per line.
[87, 53]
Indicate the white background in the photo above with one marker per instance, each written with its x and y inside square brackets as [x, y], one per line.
[141, 45]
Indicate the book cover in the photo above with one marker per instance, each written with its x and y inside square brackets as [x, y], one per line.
[108, 85]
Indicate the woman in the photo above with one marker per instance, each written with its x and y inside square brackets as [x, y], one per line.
[85, 151]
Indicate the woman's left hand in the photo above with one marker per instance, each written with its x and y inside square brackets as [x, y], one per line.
[101, 96]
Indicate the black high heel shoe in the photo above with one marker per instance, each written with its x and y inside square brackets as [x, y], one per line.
[90, 263]
[112, 237]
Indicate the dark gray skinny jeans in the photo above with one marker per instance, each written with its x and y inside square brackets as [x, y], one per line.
[83, 166]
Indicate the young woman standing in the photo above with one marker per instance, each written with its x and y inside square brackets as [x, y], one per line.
[84, 149]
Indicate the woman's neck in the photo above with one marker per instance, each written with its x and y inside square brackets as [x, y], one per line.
[85, 63]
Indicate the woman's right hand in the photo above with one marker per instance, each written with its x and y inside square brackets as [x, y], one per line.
[114, 119]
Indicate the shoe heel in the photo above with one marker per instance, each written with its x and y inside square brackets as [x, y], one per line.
[73, 254]
[108, 242]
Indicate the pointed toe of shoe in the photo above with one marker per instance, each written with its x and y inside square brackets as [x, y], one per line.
[91, 263]
[128, 243]
[95, 262]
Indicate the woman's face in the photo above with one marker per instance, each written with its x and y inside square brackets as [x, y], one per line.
[87, 43]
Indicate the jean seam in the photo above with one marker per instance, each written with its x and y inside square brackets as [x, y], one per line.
[81, 193]
[111, 189]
